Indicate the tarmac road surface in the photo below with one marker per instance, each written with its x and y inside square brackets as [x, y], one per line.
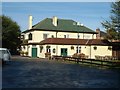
[23, 72]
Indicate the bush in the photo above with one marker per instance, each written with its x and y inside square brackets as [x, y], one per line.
[79, 55]
[47, 54]
[75, 55]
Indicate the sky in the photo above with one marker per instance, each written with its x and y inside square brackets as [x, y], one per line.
[90, 14]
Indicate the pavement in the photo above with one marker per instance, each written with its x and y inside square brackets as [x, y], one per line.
[25, 72]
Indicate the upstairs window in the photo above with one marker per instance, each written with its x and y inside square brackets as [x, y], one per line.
[45, 36]
[30, 36]
[78, 36]
[65, 36]
[52, 36]
[86, 36]
[22, 37]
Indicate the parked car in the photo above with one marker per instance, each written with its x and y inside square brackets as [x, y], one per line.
[4, 55]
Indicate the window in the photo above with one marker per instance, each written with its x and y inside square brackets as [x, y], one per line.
[54, 50]
[22, 37]
[78, 49]
[45, 36]
[78, 36]
[48, 50]
[30, 36]
[86, 36]
[52, 36]
[65, 36]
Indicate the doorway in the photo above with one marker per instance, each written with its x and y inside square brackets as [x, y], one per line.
[34, 52]
[63, 51]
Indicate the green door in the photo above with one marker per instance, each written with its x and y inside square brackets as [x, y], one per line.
[63, 51]
[34, 52]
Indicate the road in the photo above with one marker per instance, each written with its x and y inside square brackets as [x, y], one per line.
[23, 72]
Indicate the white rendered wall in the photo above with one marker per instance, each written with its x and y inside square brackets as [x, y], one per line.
[37, 36]
[101, 51]
[87, 50]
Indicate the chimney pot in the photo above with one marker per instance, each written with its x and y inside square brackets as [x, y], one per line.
[98, 33]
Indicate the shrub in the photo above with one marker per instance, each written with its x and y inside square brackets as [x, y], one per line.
[79, 55]
[47, 54]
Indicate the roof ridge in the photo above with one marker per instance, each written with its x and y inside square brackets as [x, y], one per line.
[63, 19]
[66, 41]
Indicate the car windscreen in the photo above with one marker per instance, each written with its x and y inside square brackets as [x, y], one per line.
[2, 52]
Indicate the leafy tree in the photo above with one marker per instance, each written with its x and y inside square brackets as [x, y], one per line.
[10, 34]
[113, 26]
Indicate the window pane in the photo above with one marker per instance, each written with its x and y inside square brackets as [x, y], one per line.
[65, 36]
[30, 36]
[76, 49]
[44, 36]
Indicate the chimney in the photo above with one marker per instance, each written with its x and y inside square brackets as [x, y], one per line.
[54, 21]
[98, 33]
[30, 21]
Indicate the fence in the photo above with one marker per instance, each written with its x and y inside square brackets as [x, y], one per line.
[105, 57]
[98, 61]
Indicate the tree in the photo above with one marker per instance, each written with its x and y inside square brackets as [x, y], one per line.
[10, 34]
[113, 26]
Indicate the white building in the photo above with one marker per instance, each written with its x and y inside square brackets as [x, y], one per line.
[62, 37]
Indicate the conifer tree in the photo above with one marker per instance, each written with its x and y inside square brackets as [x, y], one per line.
[113, 26]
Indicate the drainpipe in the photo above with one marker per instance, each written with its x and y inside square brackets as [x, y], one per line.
[83, 35]
[90, 51]
[56, 49]
[56, 34]
[56, 45]
[78, 43]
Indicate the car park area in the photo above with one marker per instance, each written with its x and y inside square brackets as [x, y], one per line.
[25, 72]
